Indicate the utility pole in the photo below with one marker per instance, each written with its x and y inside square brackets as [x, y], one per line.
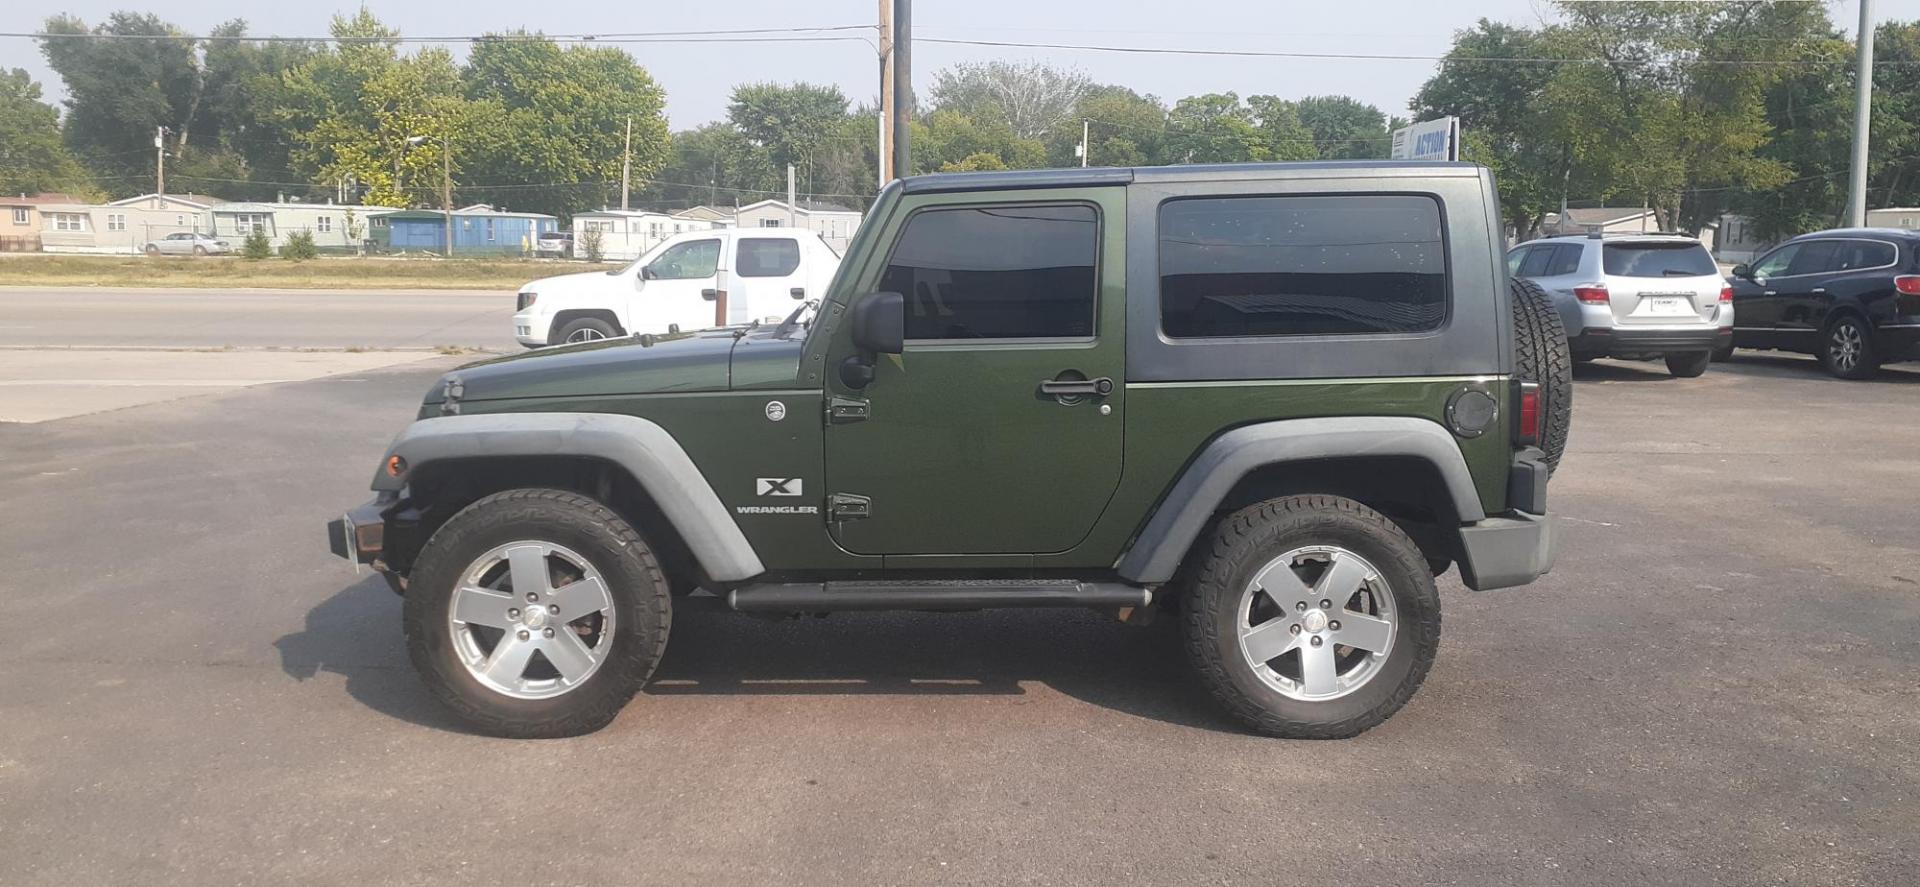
[446, 188]
[1862, 116]
[885, 153]
[159, 160]
[1084, 149]
[626, 164]
[902, 88]
[790, 203]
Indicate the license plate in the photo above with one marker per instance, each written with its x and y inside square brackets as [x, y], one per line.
[1666, 305]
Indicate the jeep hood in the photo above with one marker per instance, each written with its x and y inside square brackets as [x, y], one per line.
[682, 362]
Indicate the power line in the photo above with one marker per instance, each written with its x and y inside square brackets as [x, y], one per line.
[719, 35]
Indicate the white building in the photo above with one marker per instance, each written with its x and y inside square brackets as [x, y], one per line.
[328, 223]
[626, 234]
[123, 226]
[834, 223]
[1894, 217]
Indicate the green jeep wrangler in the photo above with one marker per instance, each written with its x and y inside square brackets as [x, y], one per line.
[1275, 399]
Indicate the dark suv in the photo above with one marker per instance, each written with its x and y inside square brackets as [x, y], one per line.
[1850, 297]
[1280, 398]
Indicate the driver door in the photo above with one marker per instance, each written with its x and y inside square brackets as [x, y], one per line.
[677, 288]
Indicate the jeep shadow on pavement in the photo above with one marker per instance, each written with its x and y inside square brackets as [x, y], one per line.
[1272, 401]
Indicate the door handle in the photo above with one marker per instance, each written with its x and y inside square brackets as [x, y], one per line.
[1100, 387]
[1769, 293]
[1820, 290]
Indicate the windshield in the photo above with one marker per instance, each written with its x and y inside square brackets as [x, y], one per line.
[1658, 260]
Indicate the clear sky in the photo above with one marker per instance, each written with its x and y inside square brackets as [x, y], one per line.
[699, 77]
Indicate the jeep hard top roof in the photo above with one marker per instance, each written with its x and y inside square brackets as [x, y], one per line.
[1214, 172]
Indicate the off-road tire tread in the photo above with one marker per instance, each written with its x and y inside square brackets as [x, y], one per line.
[632, 664]
[1214, 572]
[1540, 355]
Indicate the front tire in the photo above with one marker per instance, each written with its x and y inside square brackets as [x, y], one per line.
[536, 614]
[1846, 349]
[1689, 365]
[585, 329]
[1311, 617]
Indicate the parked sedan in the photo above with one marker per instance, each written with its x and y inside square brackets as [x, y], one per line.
[554, 245]
[187, 244]
[1850, 297]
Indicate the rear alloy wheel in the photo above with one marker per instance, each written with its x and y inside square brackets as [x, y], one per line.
[536, 614]
[1312, 617]
[152, 250]
[1689, 364]
[199, 250]
[1847, 349]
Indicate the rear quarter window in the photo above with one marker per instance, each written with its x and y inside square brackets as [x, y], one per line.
[1657, 260]
[1301, 265]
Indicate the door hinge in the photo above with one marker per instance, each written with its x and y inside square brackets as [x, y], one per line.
[842, 410]
[847, 506]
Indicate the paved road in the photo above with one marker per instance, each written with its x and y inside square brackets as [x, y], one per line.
[1716, 686]
[175, 318]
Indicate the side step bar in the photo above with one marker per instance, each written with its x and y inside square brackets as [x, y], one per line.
[827, 597]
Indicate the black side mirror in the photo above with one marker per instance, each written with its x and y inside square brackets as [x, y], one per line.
[1743, 271]
[799, 293]
[646, 272]
[879, 324]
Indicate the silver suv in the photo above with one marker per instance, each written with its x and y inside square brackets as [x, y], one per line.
[1633, 296]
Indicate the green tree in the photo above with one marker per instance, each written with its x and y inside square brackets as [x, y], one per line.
[790, 122]
[1124, 128]
[32, 156]
[1030, 98]
[557, 118]
[980, 162]
[1895, 171]
[714, 164]
[1345, 128]
[1284, 135]
[1213, 128]
[120, 91]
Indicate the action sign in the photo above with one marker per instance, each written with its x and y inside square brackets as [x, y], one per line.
[1428, 140]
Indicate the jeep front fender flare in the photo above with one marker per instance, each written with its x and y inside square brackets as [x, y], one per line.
[1184, 513]
[641, 447]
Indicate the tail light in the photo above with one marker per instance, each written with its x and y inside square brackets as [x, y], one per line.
[1726, 293]
[1592, 294]
[1907, 284]
[1526, 419]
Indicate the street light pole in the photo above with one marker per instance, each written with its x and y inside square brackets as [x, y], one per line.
[902, 88]
[1862, 116]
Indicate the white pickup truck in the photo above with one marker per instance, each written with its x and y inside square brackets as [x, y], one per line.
[691, 281]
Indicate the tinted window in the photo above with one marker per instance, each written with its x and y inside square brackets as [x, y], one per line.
[1517, 258]
[1856, 254]
[1815, 257]
[1658, 260]
[1001, 272]
[1566, 260]
[1283, 266]
[686, 261]
[768, 256]
[1536, 263]
[1776, 263]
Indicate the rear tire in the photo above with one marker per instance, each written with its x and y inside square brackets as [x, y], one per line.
[472, 566]
[152, 250]
[199, 250]
[1263, 575]
[1846, 349]
[1723, 353]
[1690, 364]
[1540, 355]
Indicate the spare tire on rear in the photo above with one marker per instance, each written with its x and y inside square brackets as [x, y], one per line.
[1540, 355]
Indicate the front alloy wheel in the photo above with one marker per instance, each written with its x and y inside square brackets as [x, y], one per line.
[531, 619]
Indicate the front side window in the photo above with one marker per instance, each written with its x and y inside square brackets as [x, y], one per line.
[1815, 257]
[687, 261]
[1308, 265]
[1657, 260]
[1516, 258]
[997, 272]
[1536, 262]
[1566, 260]
[768, 256]
[1776, 263]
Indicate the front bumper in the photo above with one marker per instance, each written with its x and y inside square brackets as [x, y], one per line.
[1622, 341]
[1507, 550]
[530, 328]
[360, 534]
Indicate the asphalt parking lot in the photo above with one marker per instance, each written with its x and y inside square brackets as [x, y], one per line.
[1717, 685]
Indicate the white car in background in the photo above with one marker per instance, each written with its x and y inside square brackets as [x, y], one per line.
[696, 280]
[186, 244]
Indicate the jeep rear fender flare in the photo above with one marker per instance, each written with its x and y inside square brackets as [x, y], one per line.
[1183, 515]
[644, 449]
